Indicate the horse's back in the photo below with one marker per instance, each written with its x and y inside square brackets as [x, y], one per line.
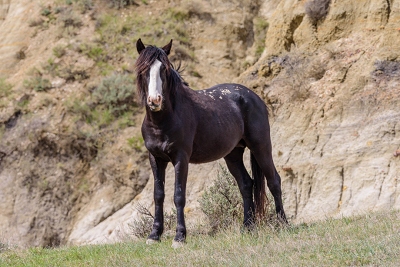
[238, 100]
[226, 113]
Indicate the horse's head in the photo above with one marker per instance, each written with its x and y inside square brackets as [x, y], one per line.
[153, 68]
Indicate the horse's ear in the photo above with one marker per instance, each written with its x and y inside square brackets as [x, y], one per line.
[140, 46]
[167, 48]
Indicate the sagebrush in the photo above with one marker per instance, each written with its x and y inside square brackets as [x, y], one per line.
[142, 226]
[38, 83]
[222, 202]
[116, 92]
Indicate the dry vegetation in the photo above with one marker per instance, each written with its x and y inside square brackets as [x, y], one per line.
[372, 240]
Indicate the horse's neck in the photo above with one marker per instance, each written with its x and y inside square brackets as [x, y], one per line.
[172, 105]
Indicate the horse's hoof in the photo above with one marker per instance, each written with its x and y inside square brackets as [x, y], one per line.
[152, 241]
[177, 244]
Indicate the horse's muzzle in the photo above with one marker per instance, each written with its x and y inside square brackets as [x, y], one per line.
[154, 103]
[154, 107]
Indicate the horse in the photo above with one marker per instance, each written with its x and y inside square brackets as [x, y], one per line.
[185, 126]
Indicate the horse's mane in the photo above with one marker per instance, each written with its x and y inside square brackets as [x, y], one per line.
[143, 64]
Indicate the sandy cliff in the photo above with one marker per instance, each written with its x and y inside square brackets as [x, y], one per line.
[334, 89]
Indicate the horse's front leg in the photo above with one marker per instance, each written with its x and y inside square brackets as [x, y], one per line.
[181, 172]
[158, 167]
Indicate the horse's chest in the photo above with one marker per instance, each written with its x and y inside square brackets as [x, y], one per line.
[159, 144]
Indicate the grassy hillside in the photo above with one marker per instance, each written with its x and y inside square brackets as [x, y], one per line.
[372, 240]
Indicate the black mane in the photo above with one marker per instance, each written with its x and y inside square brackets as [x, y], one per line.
[143, 64]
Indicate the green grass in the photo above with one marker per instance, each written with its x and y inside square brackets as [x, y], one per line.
[372, 240]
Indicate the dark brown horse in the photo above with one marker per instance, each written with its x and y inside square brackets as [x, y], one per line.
[184, 126]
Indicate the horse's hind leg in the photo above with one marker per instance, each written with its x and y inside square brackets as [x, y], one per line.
[234, 161]
[263, 157]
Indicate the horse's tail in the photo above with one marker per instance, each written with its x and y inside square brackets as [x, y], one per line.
[259, 188]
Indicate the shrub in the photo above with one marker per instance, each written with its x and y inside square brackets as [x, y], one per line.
[70, 19]
[59, 51]
[222, 202]
[116, 92]
[142, 226]
[51, 67]
[85, 5]
[317, 10]
[223, 205]
[45, 11]
[136, 142]
[37, 83]
[36, 22]
[121, 3]
[94, 52]
[5, 88]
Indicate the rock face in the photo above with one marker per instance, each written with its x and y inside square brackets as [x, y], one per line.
[333, 89]
[332, 86]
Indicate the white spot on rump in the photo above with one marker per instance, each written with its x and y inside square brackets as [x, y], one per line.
[226, 91]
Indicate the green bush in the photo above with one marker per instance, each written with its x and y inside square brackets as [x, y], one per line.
[37, 83]
[59, 51]
[116, 92]
[222, 202]
[93, 51]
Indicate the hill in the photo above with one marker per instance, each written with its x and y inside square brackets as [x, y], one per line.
[73, 165]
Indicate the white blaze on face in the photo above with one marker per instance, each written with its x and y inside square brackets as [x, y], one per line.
[154, 98]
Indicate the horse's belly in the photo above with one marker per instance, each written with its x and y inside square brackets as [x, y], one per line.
[212, 150]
